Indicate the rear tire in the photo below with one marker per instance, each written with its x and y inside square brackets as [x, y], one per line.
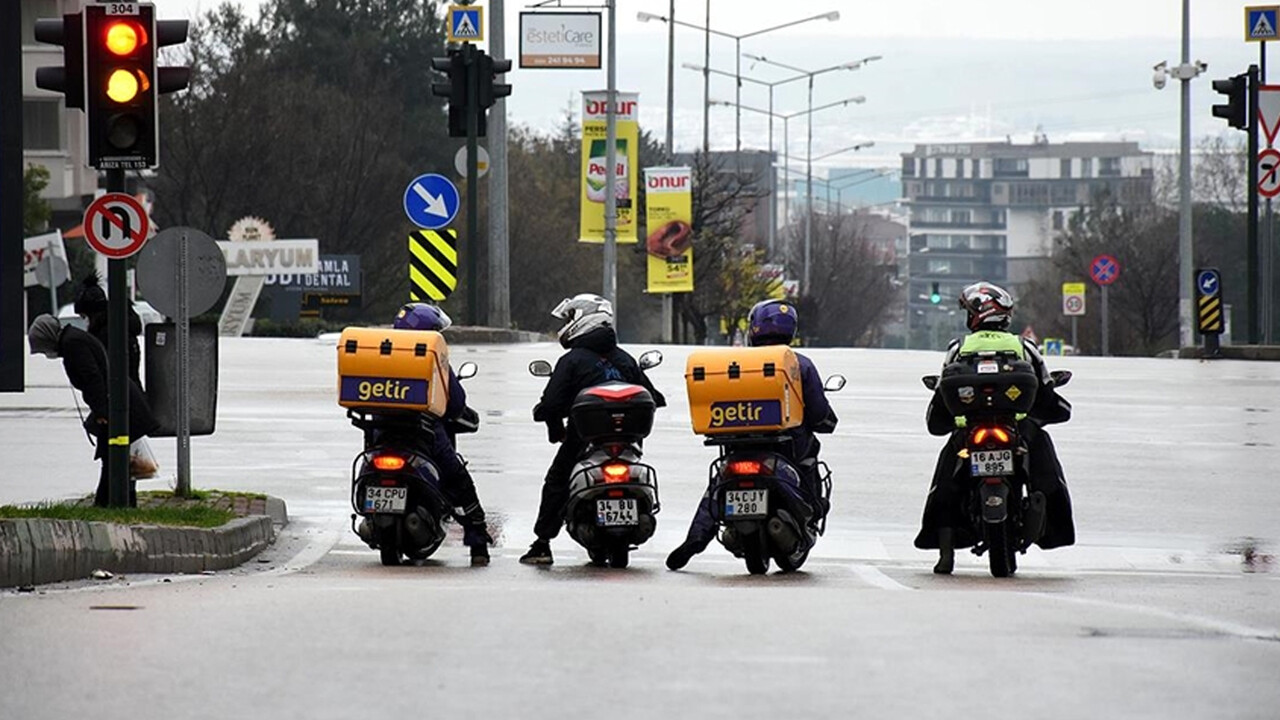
[756, 552]
[1000, 548]
[619, 557]
[389, 547]
[792, 563]
[599, 558]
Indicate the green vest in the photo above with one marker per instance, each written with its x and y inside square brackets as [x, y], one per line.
[992, 341]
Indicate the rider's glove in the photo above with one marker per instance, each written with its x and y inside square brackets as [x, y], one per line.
[555, 431]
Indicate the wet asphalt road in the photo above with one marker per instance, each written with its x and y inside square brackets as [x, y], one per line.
[1153, 613]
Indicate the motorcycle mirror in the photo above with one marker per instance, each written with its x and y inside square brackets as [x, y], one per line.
[540, 368]
[1060, 377]
[834, 383]
[653, 358]
[930, 381]
[467, 370]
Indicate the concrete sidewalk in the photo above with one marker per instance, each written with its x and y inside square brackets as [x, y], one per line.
[35, 551]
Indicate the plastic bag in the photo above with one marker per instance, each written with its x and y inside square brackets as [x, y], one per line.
[142, 461]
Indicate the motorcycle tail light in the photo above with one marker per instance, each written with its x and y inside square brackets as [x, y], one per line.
[994, 434]
[747, 484]
[388, 462]
[615, 493]
[616, 472]
[745, 467]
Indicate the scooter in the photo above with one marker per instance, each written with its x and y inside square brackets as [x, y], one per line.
[763, 508]
[395, 484]
[992, 391]
[613, 494]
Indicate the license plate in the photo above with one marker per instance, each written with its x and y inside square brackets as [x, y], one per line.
[612, 513]
[989, 463]
[746, 503]
[986, 367]
[378, 499]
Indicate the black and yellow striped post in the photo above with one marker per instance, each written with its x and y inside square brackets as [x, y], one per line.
[433, 264]
[1209, 311]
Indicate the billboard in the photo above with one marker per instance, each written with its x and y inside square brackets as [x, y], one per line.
[669, 209]
[562, 40]
[591, 213]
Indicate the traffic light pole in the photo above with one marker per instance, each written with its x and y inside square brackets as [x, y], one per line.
[117, 450]
[473, 184]
[12, 362]
[1252, 251]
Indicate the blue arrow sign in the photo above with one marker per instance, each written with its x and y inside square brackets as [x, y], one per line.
[431, 201]
[1207, 282]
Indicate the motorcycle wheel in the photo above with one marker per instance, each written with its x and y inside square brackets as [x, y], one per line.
[619, 556]
[756, 552]
[792, 563]
[599, 558]
[389, 547]
[1000, 548]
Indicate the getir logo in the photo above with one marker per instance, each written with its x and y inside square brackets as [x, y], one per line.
[746, 413]
[397, 391]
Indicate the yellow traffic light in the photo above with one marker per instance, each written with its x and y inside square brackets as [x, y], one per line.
[122, 86]
[124, 37]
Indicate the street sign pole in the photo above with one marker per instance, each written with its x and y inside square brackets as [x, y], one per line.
[1252, 252]
[1106, 328]
[1074, 327]
[182, 487]
[473, 183]
[117, 450]
[610, 281]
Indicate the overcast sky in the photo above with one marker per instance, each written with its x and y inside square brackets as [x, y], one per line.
[952, 70]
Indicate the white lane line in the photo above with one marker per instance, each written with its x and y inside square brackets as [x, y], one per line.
[329, 533]
[1224, 627]
[874, 577]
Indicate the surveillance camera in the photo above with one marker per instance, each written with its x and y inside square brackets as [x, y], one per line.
[1158, 79]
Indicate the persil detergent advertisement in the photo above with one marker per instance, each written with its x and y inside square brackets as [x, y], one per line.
[591, 215]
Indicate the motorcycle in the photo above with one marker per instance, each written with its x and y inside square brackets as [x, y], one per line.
[989, 393]
[613, 494]
[759, 501]
[395, 484]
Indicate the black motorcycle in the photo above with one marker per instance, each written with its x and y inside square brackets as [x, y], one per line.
[990, 393]
[760, 502]
[613, 494]
[395, 484]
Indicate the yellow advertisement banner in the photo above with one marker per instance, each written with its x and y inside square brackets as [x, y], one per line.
[669, 209]
[594, 167]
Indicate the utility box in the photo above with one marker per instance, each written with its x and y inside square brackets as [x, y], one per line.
[202, 377]
[744, 390]
[381, 369]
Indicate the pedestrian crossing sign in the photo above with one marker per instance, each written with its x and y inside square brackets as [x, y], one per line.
[1260, 23]
[466, 23]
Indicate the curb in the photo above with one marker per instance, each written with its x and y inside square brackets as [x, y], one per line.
[1235, 352]
[36, 551]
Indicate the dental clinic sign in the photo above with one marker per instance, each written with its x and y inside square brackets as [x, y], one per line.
[565, 40]
[274, 257]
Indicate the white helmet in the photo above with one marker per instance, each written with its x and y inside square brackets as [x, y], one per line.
[583, 313]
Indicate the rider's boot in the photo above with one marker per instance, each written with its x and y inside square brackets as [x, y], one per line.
[946, 552]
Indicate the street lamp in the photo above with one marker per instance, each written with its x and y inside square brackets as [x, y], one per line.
[811, 74]
[786, 134]
[737, 40]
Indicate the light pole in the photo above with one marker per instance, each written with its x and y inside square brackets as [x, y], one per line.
[811, 74]
[786, 134]
[773, 179]
[737, 41]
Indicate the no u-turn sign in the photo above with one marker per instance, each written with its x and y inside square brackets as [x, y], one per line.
[116, 225]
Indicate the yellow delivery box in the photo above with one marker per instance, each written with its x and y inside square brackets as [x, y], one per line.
[381, 369]
[744, 390]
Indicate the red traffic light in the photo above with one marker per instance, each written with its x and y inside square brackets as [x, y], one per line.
[124, 37]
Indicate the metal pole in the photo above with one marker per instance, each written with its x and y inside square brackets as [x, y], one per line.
[786, 178]
[13, 318]
[737, 100]
[1106, 328]
[1268, 247]
[53, 287]
[474, 316]
[773, 184]
[611, 172]
[808, 191]
[499, 240]
[182, 488]
[118, 439]
[668, 310]
[1074, 327]
[706, 84]
[1252, 189]
[1185, 253]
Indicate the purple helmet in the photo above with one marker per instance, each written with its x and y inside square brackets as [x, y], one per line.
[772, 322]
[421, 316]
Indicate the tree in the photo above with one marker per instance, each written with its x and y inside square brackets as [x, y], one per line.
[853, 281]
[36, 211]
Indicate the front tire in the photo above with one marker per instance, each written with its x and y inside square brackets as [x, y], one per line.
[1000, 548]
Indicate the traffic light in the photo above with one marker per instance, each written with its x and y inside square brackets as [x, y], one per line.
[455, 89]
[68, 79]
[935, 294]
[1235, 109]
[490, 89]
[123, 83]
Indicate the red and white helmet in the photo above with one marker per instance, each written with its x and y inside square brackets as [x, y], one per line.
[990, 307]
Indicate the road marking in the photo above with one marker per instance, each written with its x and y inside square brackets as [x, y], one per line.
[874, 577]
[1224, 627]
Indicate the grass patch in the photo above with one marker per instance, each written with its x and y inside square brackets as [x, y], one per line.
[189, 516]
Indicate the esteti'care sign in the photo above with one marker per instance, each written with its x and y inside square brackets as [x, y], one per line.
[560, 40]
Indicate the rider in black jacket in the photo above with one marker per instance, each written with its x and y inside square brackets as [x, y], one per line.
[593, 358]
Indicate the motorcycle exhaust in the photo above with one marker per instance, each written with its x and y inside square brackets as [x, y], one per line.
[782, 530]
[416, 525]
